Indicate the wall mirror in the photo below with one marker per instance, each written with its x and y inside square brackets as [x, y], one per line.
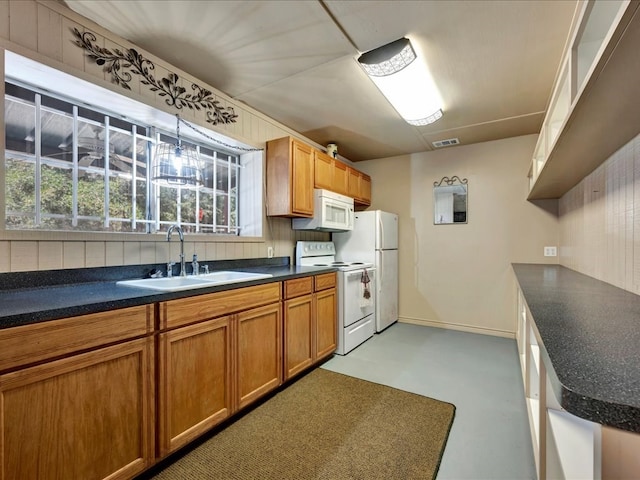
[450, 200]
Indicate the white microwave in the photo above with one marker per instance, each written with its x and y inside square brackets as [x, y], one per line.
[332, 212]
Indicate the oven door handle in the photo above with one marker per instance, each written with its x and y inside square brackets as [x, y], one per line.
[359, 273]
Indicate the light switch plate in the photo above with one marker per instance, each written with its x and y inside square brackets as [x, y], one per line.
[269, 252]
[550, 251]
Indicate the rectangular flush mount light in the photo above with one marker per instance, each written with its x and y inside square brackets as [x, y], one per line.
[404, 80]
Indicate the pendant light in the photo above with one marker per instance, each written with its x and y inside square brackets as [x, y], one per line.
[177, 165]
[404, 80]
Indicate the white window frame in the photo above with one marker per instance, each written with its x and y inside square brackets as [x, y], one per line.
[250, 165]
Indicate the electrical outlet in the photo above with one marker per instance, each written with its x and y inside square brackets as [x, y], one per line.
[550, 251]
[269, 252]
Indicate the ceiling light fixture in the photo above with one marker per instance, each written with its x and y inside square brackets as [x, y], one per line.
[404, 80]
[177, 165]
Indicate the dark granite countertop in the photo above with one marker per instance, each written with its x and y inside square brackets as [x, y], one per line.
[32, 297]
[589, 336]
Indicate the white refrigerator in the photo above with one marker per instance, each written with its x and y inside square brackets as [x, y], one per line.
[374, 239]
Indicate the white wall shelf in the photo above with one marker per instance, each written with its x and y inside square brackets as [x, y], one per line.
[593, 111]
[572, 447]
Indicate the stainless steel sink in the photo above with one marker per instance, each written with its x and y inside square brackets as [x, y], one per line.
[173, 284]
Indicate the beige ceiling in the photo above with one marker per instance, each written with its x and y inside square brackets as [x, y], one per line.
[494, 62]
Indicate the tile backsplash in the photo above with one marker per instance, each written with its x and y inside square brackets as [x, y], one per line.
[21, 255]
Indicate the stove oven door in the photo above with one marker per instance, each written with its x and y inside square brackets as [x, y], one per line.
[358, 300]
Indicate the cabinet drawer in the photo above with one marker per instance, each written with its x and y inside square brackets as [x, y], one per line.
[33, 343]
[184, 311]
[297, 287]
[324, 281]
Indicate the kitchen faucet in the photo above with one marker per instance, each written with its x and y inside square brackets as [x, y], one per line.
[177, 227]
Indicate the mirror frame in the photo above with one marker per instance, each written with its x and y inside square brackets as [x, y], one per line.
[449, 182]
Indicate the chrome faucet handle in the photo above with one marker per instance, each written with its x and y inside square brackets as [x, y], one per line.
[170, 269]
[155, 273]
[205, 268]
[195, 266]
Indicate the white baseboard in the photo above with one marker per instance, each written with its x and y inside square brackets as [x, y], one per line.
[460, 327]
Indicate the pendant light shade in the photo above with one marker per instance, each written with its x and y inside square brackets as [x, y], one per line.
[177, 165]
[404, 80]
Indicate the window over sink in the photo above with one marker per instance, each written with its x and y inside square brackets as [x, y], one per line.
[73, 164]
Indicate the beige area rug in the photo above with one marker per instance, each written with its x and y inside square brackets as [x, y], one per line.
[326, 426]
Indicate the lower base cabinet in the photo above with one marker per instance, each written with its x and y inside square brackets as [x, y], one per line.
[194, 381]
[259, 353]
[310, 322]
[87, 416]
[326, 322]
[172, 371]
[210, 369]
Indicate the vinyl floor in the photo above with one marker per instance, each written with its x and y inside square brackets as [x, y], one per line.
[479, 374]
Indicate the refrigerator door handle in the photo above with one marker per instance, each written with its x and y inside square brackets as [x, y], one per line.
[381, 233]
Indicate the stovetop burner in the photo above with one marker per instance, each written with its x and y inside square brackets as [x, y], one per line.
[322, 254]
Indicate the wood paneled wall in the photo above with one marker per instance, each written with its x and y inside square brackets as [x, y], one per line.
[600, 221]
[41, 30]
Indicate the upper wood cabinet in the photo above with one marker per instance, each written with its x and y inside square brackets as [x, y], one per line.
[294, 169]
[593, 110]
[290, 178]
[323, 170]
[359, 187]
[330, 174]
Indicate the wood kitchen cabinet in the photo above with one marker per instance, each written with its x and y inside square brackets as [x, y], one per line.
[359, 185]
[310, 321]
[86, 415]
[298, 325]
[323, 170]
[326, 324]
[290, 178]
[330, 174]
[259, 353]
[294, 169]
[225, 353]
[195, 390]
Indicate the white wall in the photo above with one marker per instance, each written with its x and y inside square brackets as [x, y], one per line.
[459, 276]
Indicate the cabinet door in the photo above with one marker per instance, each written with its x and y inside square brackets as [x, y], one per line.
[364, 197]
[298, 335]
[340, 178]
[353, 183]
[302, 179]
[259, 353]
[323, 168]
[88, 416]
[326, 325]
[194, 381]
